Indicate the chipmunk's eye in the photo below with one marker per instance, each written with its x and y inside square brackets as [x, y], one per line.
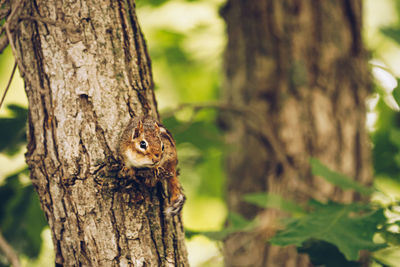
[162, 147]
[143, 144]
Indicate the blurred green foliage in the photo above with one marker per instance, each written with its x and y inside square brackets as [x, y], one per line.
[201, 144]
[344, 182]
[350, 227]
[15, 134]
[325, 254]
[336, 230]
[268, 200]
[384, 150]
[21, 218]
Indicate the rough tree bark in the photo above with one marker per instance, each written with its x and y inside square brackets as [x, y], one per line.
[302, 68]
[87, 71]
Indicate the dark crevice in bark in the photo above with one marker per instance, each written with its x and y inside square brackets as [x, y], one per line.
[59, 254]
[59, 257]
[44, 84]
[130, 110]
[75, 256]
[80, 161]
[53, 128]
[39, 57]
[125, 34]
[145, 104]
[21, 73]
[163, 220]
[138, 87]
[83, 255]
[128, 57]
[248, 59]
[143, 58]
[137, 41]
[354, 25]
[90, 23]
[357, 154]
[315, 47]
[31, 147]
[46, 117]
[87, 105]
[335, 93]
[175, 242]
[153, 236]
[116, 230]
[310, 128]
[276, 50]
[75, 176]
[339, 140]
[60, 235]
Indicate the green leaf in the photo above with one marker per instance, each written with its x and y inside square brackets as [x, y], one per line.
[219, 235]
[325, 254]
[394, 137]
[12, 133]
[349, 227]
[267, 200]
[236, 222]
[384, 151]
[396, 92]
[397, 159]
[21, 218]
[155, 3]
[392, 33]
[390, 237]
[341, 180]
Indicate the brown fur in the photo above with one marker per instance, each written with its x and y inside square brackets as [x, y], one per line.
[164, 161]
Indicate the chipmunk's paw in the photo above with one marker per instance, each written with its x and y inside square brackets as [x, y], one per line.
[176, 206]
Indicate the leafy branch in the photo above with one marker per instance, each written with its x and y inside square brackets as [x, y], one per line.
[348, 227]
[331, 233]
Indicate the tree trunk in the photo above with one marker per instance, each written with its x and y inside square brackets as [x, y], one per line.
[301, 67]
[87, 71]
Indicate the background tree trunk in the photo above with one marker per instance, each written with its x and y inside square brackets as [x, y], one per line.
[301, 67]
[87, 71]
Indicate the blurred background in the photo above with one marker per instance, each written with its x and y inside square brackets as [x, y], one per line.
[186, 41]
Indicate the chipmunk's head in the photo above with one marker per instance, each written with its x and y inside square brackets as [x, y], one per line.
[143, 147]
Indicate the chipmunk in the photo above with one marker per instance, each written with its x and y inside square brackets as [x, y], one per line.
[145, 143]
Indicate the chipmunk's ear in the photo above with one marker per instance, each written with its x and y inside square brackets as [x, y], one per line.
[156, 126]
[163, 130]
[138, 130]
